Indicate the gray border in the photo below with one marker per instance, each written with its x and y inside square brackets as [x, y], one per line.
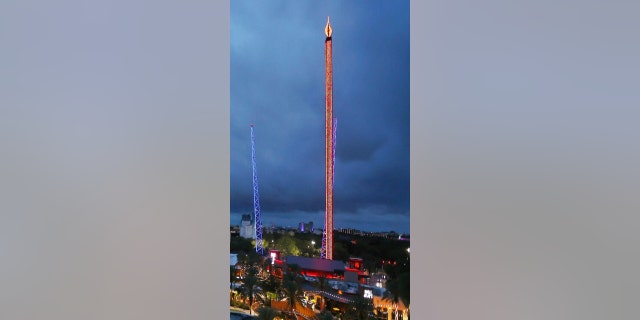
[153, 242]
[222, 193]
[556, 240]
[579, 265]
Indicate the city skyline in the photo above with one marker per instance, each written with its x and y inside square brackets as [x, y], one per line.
[277, 84]
[314, 227]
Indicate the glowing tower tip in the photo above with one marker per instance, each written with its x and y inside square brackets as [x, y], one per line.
[327, 30]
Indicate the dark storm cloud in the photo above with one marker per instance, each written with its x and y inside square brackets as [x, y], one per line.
[277, 83]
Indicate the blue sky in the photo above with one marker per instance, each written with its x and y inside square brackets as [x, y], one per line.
[277, 83]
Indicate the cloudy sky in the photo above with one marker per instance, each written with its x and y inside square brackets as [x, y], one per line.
[277, 83]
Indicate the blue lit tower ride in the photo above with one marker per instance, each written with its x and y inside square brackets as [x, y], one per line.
[256, 198]
[323, 250]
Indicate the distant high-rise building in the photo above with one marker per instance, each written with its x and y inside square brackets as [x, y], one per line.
[246, 227]
[305, 227]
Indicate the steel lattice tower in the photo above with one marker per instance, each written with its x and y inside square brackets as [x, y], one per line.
[327, 238]
[256, 198]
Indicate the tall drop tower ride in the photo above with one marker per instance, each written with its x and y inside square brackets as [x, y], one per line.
[327, 238]
[256, 198]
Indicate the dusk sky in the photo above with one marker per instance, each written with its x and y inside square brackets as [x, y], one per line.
[277, 83]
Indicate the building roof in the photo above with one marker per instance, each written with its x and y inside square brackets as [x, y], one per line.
[316, 263]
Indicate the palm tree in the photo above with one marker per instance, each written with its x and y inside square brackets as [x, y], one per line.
[398, 289]
[361, 309]
[392, 293]
[250, 286]
[267, 313]
[322, 285]
[254, 259]
[291, 287]
[270, 286]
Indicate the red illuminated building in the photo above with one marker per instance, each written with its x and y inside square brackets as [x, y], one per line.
[352, 271]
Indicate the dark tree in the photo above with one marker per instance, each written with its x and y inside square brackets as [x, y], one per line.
[398, 289]
[267, 313]
[291, 286]
[271, 285]
[361, 309]
[250, 286]
[322, 285]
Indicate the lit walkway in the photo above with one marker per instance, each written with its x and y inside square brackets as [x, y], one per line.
[328, 293]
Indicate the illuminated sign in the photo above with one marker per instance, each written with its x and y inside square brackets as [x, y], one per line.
[273, 257]
[368, 294]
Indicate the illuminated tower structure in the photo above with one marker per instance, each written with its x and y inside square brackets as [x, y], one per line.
[327, 237]
[256, 198]
[333, 161]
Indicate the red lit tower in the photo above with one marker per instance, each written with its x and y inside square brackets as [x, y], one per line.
[327, 238]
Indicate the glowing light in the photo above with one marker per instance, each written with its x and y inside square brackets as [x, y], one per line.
[368, 294]
[327, 30]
